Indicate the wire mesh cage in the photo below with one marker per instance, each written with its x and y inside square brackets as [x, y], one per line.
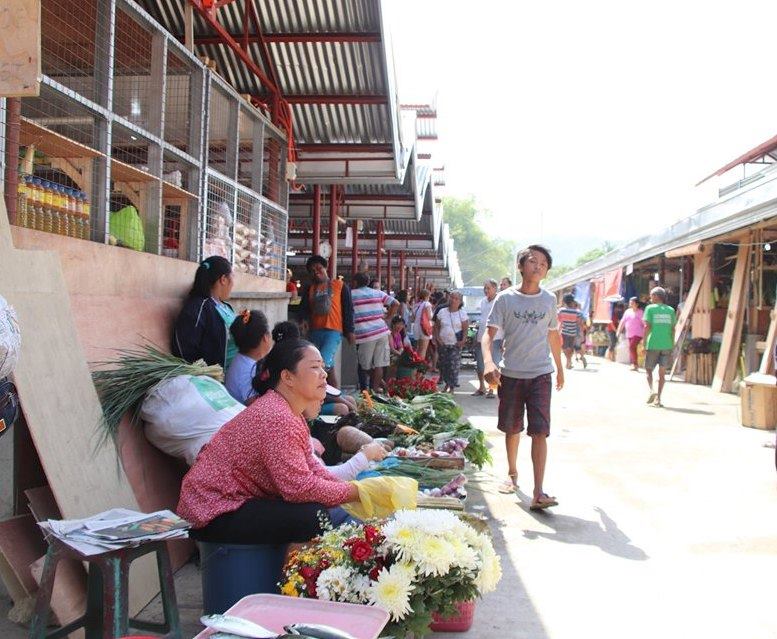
[70, 48]
[272, 242]
[247, 225]
[179, 102]
[219, 217]
[133, 141]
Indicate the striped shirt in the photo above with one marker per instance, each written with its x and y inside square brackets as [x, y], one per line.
[369, 313]
[569, 319]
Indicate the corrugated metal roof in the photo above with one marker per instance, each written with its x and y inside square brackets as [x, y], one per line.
[304, 68]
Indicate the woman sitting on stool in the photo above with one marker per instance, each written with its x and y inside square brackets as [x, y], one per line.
[257, 481]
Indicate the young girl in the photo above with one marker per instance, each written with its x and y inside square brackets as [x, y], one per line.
[252, 337]
[202, 328]
[398, 339]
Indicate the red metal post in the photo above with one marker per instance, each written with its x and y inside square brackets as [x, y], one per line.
[333, 231]
[388, 271]
[13, 123]
[316, 218]
[402, 274]
[416, 280]
[354, 247]
[378, 260]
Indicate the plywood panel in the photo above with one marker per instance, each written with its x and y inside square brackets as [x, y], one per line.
[732, 332]
[59, 399]
[19, 47]
[767, 361]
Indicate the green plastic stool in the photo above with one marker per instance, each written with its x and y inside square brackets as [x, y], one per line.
[107, 600]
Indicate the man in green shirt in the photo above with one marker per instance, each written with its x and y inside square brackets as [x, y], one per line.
[659, 340]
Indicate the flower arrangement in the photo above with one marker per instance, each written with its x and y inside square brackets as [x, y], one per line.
[410, 387]
[413, 565]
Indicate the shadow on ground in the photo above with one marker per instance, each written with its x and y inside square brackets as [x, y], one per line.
[604, 534]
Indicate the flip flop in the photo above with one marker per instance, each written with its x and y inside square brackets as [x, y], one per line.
[509, 485]
[652, 398]
[478, 393]
[545, 501]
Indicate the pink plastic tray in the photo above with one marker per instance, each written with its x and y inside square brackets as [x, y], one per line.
[275, 611]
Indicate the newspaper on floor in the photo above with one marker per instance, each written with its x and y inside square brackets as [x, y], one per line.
[115, 529]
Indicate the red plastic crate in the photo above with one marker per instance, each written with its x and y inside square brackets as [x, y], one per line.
[459, 623]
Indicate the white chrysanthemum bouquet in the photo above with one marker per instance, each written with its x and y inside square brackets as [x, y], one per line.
[413, 565]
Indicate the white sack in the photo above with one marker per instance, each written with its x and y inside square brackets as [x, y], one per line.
[10, 339]
[183, 413]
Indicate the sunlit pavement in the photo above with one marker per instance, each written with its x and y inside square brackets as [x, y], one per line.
[666, 527]
[667, 521]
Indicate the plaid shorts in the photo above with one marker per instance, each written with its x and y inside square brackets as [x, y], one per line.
[529, 395]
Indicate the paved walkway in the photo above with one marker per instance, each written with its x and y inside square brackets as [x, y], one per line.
[667, 523]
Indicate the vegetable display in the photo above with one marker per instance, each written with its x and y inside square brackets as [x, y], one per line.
[436, 419]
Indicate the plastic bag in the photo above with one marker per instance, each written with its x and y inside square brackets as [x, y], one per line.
[10, 339]
[183, 413]
[127, 227]
[383, 496]
[622, 351]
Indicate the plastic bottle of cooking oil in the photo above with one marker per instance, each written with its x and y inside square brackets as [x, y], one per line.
[87, 208]
[36, 219]
[22, 195]
[48, 206]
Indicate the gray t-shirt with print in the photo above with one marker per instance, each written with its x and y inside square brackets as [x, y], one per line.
[525, 321]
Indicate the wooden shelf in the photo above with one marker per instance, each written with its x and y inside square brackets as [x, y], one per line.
[172, 192]
[52, 144]
[121, 172]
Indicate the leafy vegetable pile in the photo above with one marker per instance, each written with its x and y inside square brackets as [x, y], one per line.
[430, 417]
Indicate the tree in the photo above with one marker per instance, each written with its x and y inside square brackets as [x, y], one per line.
[588, 256]
[480, 256]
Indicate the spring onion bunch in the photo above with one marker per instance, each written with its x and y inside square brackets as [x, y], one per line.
[122, 383]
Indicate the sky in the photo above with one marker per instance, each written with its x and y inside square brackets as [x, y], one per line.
[588, 120]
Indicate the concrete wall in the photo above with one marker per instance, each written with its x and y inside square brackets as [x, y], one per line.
[120, 297]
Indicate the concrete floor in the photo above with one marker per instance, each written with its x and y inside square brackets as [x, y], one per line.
[667, 523]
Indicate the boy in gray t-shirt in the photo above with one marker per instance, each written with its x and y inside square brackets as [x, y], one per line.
[528, 318]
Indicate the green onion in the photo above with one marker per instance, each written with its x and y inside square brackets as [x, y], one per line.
[122, 383]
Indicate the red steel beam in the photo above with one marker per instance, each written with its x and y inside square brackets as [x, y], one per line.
[388, 269]
[303, 38]
[402, 274]
[345, 148]
[333, 203]
[336, 99]
[379, 250]
[354, 246]
[360, 197]
[316, 218]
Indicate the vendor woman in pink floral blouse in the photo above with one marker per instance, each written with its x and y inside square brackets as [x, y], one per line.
[257, 481]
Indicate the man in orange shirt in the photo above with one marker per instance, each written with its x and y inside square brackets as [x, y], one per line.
[328, 311]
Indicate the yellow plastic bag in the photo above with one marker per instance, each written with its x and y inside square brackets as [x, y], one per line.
[382, 496]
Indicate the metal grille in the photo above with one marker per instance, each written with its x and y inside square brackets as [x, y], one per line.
[272, 244]
[219, 217]
[111, 149]
[178, 102]
[249, 214]
[134, 93]
[69, 47]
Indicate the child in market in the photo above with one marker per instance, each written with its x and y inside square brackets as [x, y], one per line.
[528, 317]
[252, 337]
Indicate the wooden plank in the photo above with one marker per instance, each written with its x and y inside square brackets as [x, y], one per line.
[172, 192]
[700, 275]
[51, 143]
[21, 543]
[701, 320]
[42, 503]
[767, 360]
[122, 172]
[60, 403]
[683, 251]
[20, 48]
[732, 332]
